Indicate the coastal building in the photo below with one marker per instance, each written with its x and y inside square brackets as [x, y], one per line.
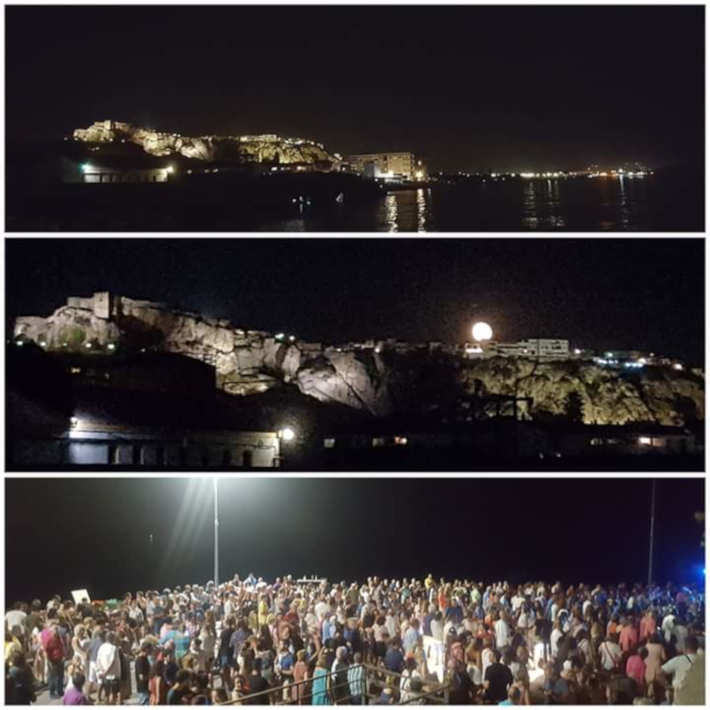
[388, 167]
[108, 169]
[131, 410]
[542, 348]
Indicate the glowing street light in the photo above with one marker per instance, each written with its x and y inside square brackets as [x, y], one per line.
[287, 434]
[482, 331]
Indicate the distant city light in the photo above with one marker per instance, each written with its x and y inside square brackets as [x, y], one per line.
[170, 169]
[111, 346]
[292, 338]
[280, 336]
[19, 342]
[577, 351]
[677, 366]
[645, 440]
[43, 343]
[86, 167]
[88, 346]
[482, 331]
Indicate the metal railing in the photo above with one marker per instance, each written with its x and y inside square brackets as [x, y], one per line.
[373, 681]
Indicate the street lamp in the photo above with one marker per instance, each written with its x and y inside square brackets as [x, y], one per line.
[287, 434]
[215, 482]
[652, 531]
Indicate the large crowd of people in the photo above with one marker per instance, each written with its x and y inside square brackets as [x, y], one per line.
[249, 641]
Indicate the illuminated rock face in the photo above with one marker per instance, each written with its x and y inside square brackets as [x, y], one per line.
[608, 396]
[249, 362]
[259, 149]
[246, 361]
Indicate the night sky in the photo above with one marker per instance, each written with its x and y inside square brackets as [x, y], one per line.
[601, 293]
[592, 530]
[466, 88]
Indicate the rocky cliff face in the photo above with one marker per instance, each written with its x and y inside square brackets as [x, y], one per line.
[208, 148]
[246, 361]
[249, 362]
[608, 396]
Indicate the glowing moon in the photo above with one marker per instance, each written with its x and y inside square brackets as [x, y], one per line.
[482, 331]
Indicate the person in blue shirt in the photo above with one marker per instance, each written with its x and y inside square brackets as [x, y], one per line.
[286, 662]
[394, 660]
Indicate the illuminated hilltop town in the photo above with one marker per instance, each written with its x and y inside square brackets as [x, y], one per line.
[168, 156]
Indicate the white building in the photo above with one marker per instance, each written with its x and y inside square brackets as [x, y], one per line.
[543, 348]
[390, 167]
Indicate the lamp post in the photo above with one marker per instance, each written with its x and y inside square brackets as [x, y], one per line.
[651, 532]
[215, 481]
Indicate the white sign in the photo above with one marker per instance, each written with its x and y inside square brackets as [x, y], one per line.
[78, 595]
[435, 657]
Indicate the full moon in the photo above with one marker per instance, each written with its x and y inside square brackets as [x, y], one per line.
[482, 331]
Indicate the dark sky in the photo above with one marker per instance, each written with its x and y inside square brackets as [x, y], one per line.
[466, 88]
[592, 530]
[601, 293]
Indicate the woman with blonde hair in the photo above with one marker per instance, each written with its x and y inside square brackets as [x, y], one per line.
[80, 645]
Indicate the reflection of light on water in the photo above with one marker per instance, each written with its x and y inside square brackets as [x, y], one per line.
[391, 212]
[553, 203]
[624, 204]
[529, 206]
[543, 209]
[421, 210]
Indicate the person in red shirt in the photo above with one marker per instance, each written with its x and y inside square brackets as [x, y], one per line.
[53, 646]
[629, 635]
[636, 668]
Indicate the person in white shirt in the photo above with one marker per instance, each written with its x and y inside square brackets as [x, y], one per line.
[322, 609]
[679, 666]
[610, 654]
[502, 632]
[15, 620]
[680, 631]
[555, 638]
[667, 626]
[488, 657]
[108, 668]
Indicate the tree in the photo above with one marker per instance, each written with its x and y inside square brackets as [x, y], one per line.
[574, 407]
